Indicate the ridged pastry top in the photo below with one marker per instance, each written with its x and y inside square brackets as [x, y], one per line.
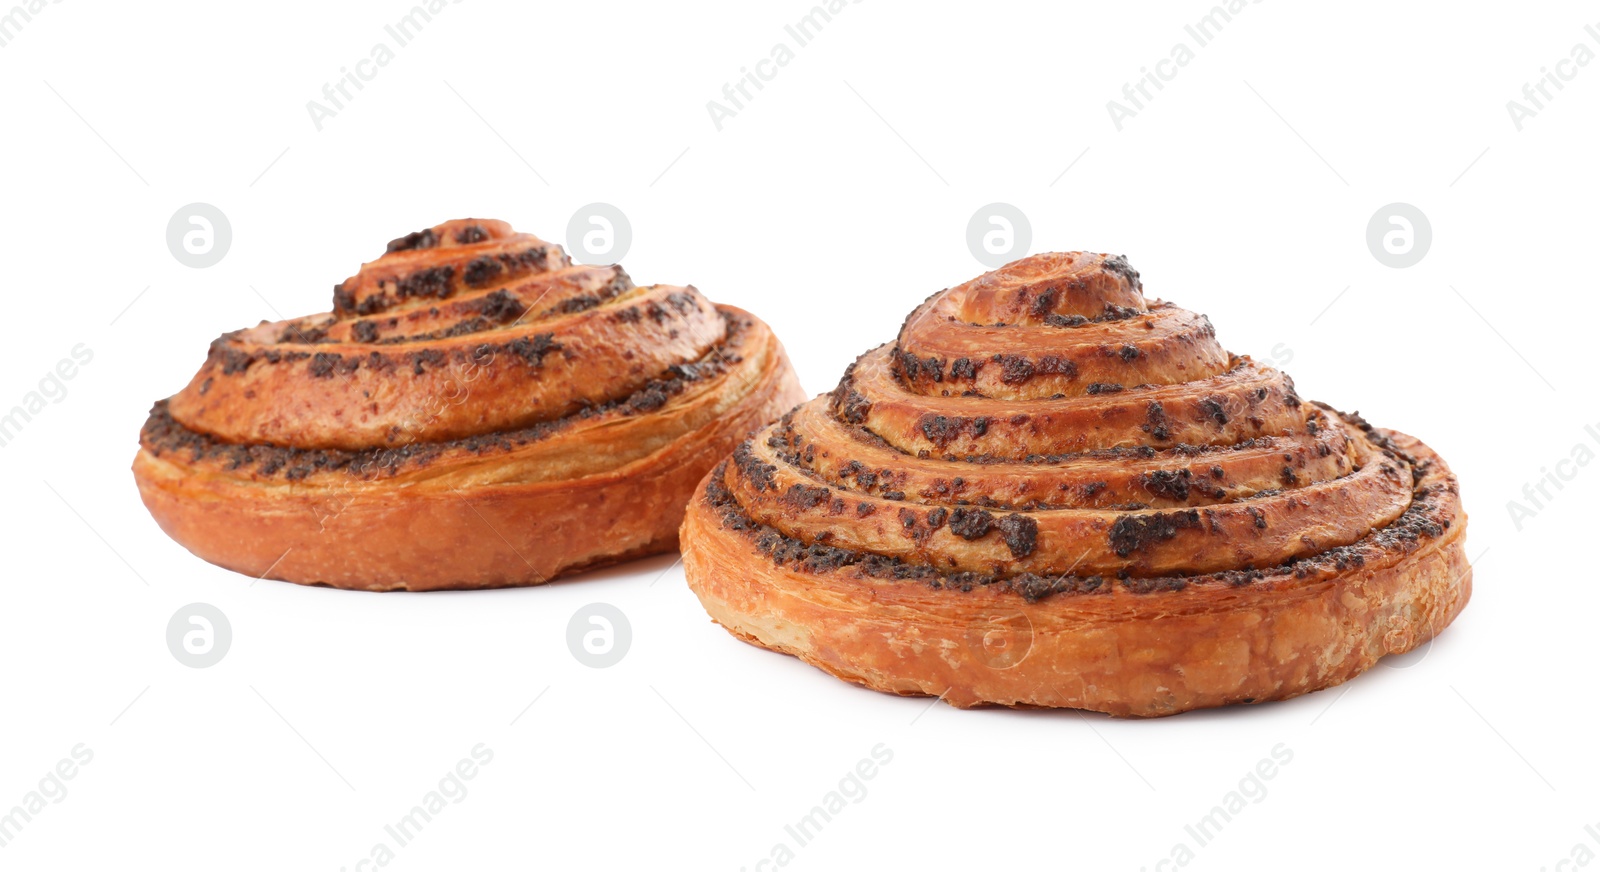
[1047, 425]
[462, 330]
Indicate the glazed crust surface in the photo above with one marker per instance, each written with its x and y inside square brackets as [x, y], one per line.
[1188, 535]
[468, 416]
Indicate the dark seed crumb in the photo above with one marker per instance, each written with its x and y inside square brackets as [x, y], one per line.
[421, 239]
[1133, 533]
[1021, 534]
[1015, 369]
[481, 271]
[533, 350]
[971, 524]
[322, 365]
[1166, 483]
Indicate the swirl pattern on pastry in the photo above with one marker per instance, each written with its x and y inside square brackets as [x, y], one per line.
[1051, 491]
[476, 411]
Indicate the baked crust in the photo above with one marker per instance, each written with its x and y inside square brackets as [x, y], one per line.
[454, 425]
[1190, 535]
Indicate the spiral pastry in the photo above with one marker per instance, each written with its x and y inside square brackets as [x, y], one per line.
[476, 411]
[1051, 491]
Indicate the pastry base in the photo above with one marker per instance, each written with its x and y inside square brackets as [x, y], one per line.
[452, 532]
[1127, 654]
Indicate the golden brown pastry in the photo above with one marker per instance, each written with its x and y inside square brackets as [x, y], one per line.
[475, 412]
[1050, 491]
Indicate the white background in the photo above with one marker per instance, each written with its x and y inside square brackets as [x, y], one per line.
[833, 203]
